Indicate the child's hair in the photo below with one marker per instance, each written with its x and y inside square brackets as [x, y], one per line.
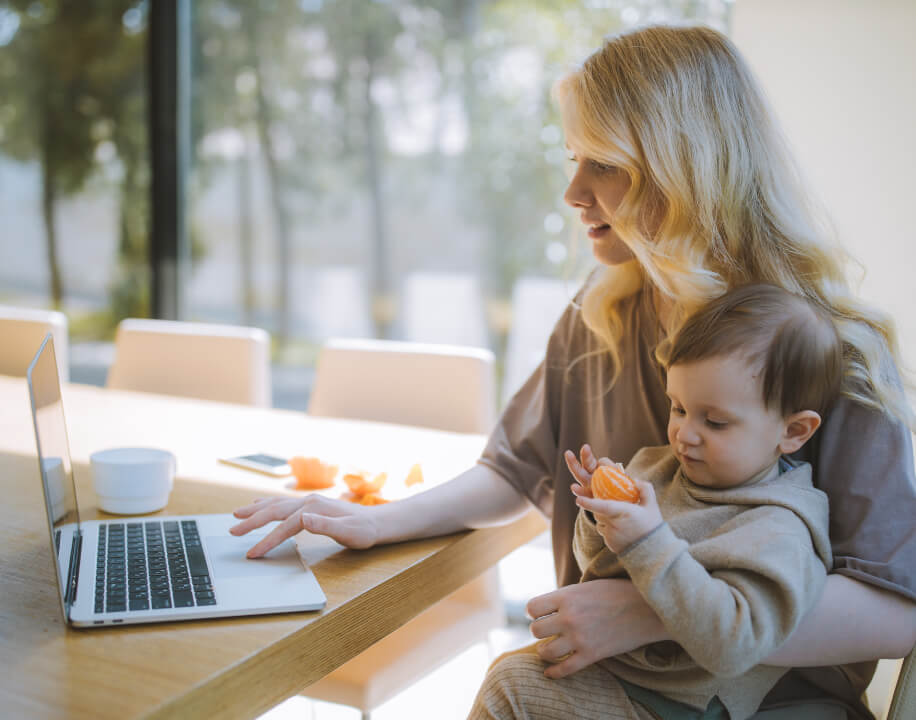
[679, 111]
[791, 343]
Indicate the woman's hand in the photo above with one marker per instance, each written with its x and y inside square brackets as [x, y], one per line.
[591, 621]
[353, 526]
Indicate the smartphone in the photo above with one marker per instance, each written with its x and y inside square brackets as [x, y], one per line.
[260, 462]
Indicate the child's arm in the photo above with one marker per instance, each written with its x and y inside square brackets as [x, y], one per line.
[743, 594]
[756, 579]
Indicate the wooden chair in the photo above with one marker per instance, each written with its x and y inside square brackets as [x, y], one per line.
[443, 387]
[212, 362]
[22, 330]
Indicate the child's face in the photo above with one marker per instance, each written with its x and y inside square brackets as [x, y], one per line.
[719, 428]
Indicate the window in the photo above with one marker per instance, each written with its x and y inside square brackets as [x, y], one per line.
[359, 167]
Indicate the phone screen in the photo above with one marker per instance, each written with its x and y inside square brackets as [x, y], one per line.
[262, 459]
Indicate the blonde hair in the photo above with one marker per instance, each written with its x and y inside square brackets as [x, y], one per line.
[679, 111]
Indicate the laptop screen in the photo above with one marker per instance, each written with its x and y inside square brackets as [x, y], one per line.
[54, 460]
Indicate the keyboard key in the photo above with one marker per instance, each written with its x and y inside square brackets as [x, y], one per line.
[184, 599]
[139, 604]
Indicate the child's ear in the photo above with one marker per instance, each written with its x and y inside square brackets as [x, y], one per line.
[799, 427]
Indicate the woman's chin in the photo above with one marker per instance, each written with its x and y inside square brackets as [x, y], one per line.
[608, 249]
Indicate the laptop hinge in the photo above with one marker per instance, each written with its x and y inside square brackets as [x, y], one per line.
[76, 548]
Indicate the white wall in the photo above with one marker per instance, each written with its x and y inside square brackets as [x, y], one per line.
[841, 75]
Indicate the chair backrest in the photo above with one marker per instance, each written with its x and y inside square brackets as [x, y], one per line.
[446, 387]
[903, 703]
[537, 303]
[212, 362]
[427, 309]
[21, 333]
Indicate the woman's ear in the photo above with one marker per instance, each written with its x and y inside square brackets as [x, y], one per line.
[799, 427]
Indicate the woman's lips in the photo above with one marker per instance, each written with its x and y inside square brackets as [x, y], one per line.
[596, 232]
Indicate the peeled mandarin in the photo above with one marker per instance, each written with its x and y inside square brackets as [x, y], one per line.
[311, 473]
[611, 483]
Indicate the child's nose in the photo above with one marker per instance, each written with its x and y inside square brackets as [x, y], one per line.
[687, 435]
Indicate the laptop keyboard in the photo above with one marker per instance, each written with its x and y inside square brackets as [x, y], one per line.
[151, 565]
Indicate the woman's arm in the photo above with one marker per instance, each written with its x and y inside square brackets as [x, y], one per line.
[851, 622]
[478, 497]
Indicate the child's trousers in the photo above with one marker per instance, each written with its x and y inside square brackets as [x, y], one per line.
[515, 689]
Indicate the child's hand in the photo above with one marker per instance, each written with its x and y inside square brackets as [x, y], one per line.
[620, 523]
[582, 471]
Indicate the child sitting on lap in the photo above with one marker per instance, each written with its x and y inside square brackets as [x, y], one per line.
[728, 542]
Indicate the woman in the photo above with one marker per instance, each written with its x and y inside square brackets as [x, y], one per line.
[687, 190]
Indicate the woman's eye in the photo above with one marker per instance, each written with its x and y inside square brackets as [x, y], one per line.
[602, 168]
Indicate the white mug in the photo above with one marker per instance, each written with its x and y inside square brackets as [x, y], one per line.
[132, 481]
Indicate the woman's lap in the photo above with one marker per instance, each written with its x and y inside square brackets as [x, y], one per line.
[515, 689]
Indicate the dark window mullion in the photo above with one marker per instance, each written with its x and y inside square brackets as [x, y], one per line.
[170, 130]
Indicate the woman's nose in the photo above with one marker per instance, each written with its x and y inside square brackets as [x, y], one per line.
[577, 195]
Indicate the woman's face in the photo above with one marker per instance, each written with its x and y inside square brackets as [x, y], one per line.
[596, 190]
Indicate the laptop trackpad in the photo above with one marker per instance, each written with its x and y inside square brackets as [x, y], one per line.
[227, 558]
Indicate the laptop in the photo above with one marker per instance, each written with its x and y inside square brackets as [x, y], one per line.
[144, 569]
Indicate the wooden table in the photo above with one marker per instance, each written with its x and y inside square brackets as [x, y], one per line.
[226, 668]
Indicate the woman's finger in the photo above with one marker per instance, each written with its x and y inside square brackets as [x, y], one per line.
[567, 666]
[546, 626]
[249, 509]
[267, 512]
[554, 649]
[542, 605]
[329, 507]
[286, 529]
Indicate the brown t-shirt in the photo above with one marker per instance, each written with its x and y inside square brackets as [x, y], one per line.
[862, 459]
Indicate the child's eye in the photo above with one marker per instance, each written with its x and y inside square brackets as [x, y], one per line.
[716, 425]
[676, 410]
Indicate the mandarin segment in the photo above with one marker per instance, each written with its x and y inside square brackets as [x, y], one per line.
[414, 476]
[372, 498]
[360, 484]
[611, 483]
[356, 481]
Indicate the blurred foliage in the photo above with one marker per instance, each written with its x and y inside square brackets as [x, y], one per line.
[428, 122]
